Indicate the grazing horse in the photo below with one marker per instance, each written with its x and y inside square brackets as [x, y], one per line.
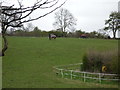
[52, 36]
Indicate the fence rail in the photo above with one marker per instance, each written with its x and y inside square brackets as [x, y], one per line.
[72, 74]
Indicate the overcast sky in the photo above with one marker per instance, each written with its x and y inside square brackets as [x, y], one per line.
[90, 14]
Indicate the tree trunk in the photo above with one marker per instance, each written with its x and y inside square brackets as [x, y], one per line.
[5, 45]
[114, 34]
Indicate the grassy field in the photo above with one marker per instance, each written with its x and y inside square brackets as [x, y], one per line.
[29, 61]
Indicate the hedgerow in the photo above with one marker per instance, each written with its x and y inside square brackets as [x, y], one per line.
[93, 61]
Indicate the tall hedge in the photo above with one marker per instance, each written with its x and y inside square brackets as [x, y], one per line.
[93, 61]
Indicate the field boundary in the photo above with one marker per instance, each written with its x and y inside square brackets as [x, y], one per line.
[74, 73]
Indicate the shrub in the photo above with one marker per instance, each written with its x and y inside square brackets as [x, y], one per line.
[85, 66]
[94, 60]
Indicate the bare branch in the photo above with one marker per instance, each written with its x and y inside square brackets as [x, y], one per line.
[51, 5]
[33, 8]
[44, 14]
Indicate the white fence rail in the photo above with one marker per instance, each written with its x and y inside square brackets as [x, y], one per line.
[72, 74]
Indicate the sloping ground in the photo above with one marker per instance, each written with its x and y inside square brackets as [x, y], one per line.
[28, 62]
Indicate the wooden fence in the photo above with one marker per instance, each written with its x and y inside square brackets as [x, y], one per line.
[75, 73]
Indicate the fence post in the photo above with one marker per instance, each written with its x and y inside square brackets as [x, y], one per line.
[62, 73]
[100, 77]
[84, 76]
[71, 73]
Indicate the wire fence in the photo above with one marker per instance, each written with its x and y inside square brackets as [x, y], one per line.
[72, 71]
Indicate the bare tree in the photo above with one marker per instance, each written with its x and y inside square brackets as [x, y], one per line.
[29, 27]
[64, 20]
[10, 16]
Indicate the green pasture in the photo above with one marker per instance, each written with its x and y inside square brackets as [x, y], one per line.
[29, 61]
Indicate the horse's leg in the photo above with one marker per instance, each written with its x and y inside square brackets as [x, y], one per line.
[50, 38]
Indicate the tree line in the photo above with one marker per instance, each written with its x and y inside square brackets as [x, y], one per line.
[36, 32]
[65, 27]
